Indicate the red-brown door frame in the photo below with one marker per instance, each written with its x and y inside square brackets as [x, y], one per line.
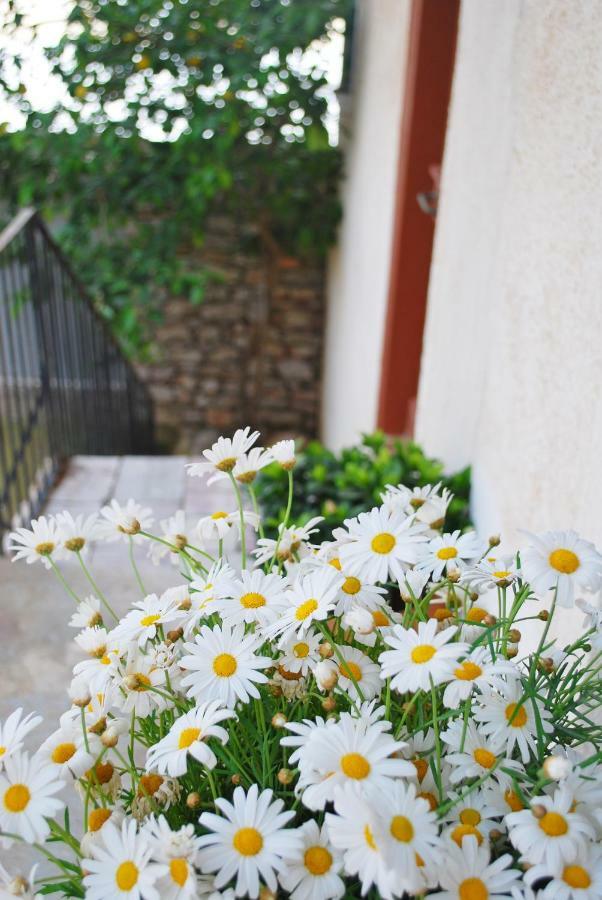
[428, 78]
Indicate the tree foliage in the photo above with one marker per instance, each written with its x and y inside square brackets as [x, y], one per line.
[173, 109]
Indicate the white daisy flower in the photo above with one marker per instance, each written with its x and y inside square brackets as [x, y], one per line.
[473, 626]
[406, 831]
[578, 879]
[154, 791]
[312, 872]
[490, 572]
[301, 655]
[135, 682]
[178, 851]
[301, 732]
[223, 665]
[353, 831]
[381, 545]
[470, 814]
[478, 671]
[93, 641]
[347, 751]
[555, 835]
[396, 498]
[18, 885]
[412, 584]
[27, 786]
[39, 542]
[450, 551]
[309, 599]
[175, 530]
[418, 751]
[502, 798]
[248, 841]
[420, 658]
[467, 874]
[121, 866]
[355, 591]
[284, 453]
[358, 669]
[124, 522]
[360, 621]
[99, 819]
[292, 544]
[189, 735]
[76, 534]
[13, 732]
[593, 619]
[224, 453]
[87, 614]
[561, 560]
[141, 623]
[513, 719]
[250, 463]
[254, 597]
[205, 590]
[65, 750]
[220, 524]
[479, 755]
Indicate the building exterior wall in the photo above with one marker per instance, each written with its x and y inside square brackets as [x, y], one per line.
[358, 275]
[511, 376]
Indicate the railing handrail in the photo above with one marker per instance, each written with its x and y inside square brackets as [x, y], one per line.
[16, 224]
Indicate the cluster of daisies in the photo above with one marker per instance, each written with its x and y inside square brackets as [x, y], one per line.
[355, 718]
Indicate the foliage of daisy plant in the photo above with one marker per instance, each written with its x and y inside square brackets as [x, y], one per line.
[271, 725]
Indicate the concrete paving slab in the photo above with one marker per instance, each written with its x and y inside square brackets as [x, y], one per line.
[88, 478]
[152, 479]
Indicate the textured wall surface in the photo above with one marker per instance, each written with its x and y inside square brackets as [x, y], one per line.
[358, 276]
[512, 364]
[249, 354]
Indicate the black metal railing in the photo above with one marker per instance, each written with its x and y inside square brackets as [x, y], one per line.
[65, 385]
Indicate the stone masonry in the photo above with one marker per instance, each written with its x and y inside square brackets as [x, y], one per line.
[250, 353]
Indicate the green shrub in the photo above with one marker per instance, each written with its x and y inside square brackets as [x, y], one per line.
[343, 485]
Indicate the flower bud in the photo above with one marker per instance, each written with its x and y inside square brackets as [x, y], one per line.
[495, 835]
[18, 886]
[129, 526]
[279, 720]
[285, 776]
[489, 620]
[175, 635]
[360, 620]
[538, 810]
[235, 779]
[79, 692]
[547, 664]
[326, 650]
[329, 704]
[326, 675]
[193, 800]
[557, 767]
[511, 651]
[544, 615]
[264, 892]
[110, 737]
[495, 540]
[453, 575]
[514, 635]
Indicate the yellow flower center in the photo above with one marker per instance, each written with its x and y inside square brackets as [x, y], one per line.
[75, 544]
[16, 798]
[2, 751]
[485, 758]
[519, 718]
[220, 514]
[421, 767]
[564, 561]
[473, 889]
[317, 860]
[355, 766]
[352, 585]
[45, 548]
[149, 784]
[501, 574]
[379, 618]
[187, 737]
[369, 837]
[126, 876]
[104, 660]
[402, 829]
[447, 553]
[350, 670]
[62, 753]
[468, 671]
[226, 465]
[306, 609]
[576, 877]
[430, 799]
[101, 773]
[383, 542]
[301, 650]
[147, 621]
[97, 818]
[553, 824]
[247, 841]
[224, 665]
[462, 831]
[336, 563]
[422, 653]
[178, 869]
[470, 817]
[252, 600]
[142, 682]
[476, 614]
[513, 800]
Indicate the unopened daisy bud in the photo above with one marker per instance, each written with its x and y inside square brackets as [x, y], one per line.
[284, 453]
[453, 575]
[329, 507]
[175, 635]
[474, 596]
[359, 620]
[489, 620]
[494, 834]
[193, 800]
[274, 689]
[538, 810]
[544, 615]
[18, 887]
[110, 737]
[329, 704]
[326, 650]
[235, 779]
[326, 675]
[557, 767]
[129, 526]
[266, 894]
[514, 635]
[495, 540]
[279, 720]
[547, 664]
[185, 604]
[285, 776]
[511, 651]
[79, 692]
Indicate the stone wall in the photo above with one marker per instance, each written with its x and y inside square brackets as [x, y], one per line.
[250, 353]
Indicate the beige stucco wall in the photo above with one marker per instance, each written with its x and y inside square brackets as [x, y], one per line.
[512, 364]
[359, 265]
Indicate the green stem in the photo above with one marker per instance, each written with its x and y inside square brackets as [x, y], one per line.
[61, 578]
[135, 568]
[95, 587]
[243, 538]
[253, 496]
[437, 738]
[287, 514]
